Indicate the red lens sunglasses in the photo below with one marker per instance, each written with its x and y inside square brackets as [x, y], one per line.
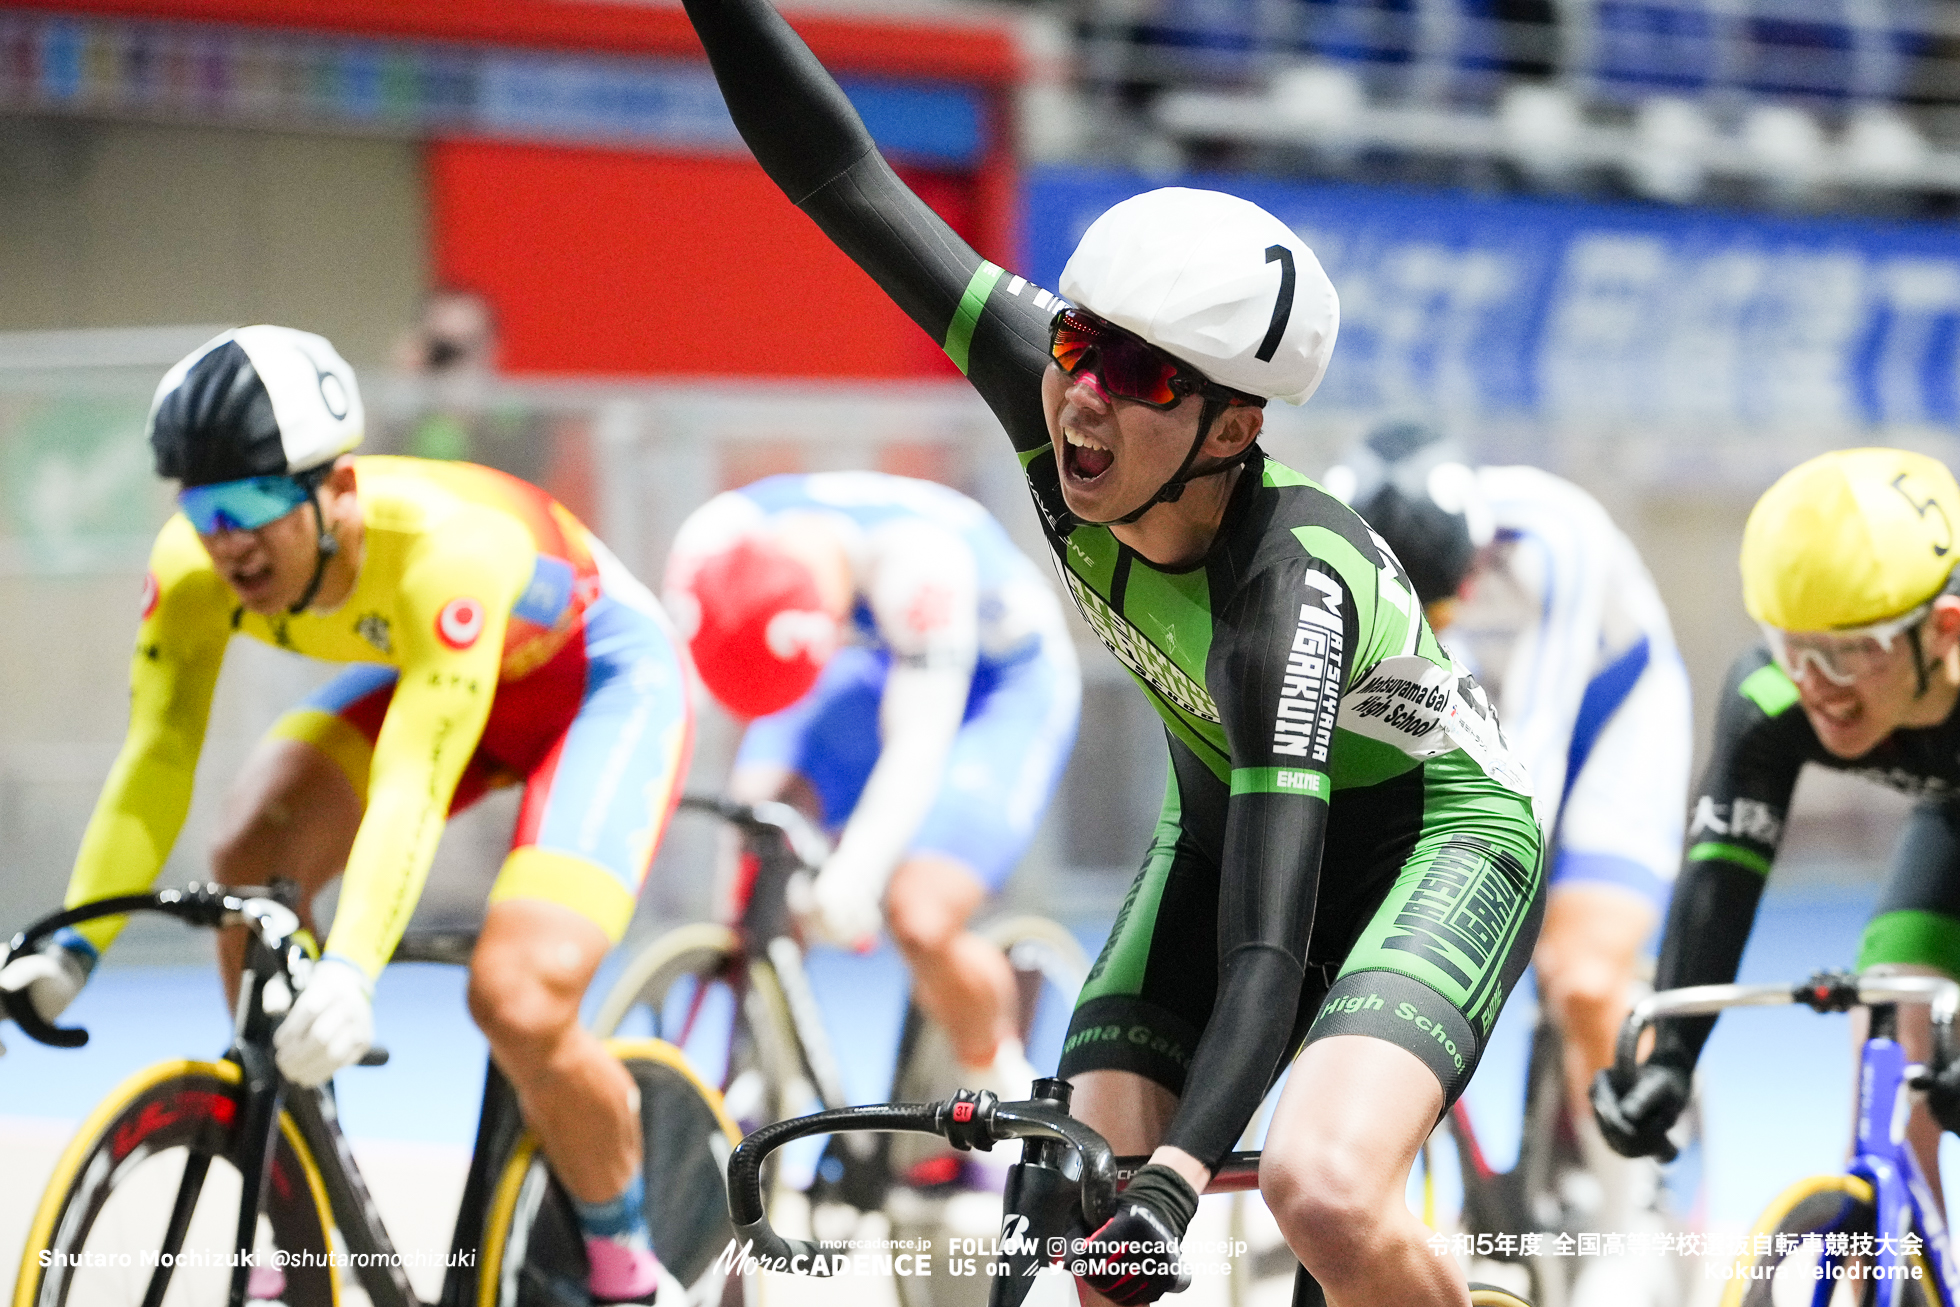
[1130, 367]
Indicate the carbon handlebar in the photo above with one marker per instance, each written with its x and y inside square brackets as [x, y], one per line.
[1827, 991]
[799, 836]
[967, 1120]
[197, 905]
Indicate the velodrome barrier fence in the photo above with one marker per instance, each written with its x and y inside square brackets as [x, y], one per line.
[79, 506]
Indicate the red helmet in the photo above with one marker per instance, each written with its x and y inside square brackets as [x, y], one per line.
[760, 633]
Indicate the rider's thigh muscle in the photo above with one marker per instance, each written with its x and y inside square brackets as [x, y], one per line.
[1591, 932]
[1131, 1111]
[292, 812]
[930, 899]
[532, 963]
[1348, 1126]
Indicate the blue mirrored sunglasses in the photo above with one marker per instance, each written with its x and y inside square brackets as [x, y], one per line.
[244, 505]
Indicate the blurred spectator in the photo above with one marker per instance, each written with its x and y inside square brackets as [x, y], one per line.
[460, 412]
[454, 344]
[456, 334]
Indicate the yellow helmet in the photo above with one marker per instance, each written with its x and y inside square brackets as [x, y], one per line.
[1850, 538]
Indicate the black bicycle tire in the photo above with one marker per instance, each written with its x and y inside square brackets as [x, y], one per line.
[687, 1138]
[175, 1104]
[1817, 1204]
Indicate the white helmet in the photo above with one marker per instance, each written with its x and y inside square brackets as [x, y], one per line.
[1214, 280]
[256, 401]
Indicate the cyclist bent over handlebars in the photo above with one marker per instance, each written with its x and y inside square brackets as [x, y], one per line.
[1347, 854]
[490, 639]
[1847, 566]
[909, 683]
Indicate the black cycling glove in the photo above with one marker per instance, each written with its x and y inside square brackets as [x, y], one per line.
[1135, 1256]
[1635, 1112]
[1943, 1096]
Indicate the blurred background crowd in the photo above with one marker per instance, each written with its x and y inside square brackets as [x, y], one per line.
[1666, 249]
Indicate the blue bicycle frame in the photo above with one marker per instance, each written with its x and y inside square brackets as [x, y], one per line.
[1884, 1159]
[1881, 1155]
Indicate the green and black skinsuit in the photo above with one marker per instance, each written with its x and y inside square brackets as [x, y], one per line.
[1762, 741]
[1346, 846]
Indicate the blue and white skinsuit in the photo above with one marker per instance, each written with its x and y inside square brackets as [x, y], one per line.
[943, 726]
[1566, 631]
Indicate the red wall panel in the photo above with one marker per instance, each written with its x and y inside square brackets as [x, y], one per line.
[609, 262]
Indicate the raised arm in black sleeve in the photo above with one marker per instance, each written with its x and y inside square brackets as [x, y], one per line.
[810, 141]
[1286, 632]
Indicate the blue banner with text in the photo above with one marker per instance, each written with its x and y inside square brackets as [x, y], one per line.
[1621, 315]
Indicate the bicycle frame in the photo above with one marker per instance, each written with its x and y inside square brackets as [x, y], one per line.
[784, 843]
[273, 953]
[1881, 1155]
[766, 930]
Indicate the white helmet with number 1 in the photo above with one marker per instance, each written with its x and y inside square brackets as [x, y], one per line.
[1214, 280]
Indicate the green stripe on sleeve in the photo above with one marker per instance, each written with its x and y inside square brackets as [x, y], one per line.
[959, 334]
[1710, 850]
[1770, 689]
[1280, 780]
[1911, 937]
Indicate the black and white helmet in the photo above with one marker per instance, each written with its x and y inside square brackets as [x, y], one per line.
[1213, 280]
[1417, 490]
[256, 401]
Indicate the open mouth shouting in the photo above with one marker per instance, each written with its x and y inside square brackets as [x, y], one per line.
[252, 582]
[1084, 458]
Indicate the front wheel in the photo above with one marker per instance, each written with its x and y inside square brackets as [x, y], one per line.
[149, 1189]
[533, 1252]
[1813, 1228]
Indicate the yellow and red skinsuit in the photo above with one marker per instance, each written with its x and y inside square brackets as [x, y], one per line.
[450, 550]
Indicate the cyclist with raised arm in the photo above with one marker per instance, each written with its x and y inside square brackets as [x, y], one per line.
[490, 640]
[1525, 577]
[1347, 855]
[1848, 568]
[908, 682]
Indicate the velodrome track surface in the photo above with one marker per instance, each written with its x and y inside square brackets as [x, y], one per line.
[1777, 1096]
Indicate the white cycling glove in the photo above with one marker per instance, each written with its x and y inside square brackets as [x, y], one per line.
[846, 903]
[52, 976]
[330, 1026]
[919, 718]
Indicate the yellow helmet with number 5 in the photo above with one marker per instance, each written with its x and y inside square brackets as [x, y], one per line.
[1850, 538]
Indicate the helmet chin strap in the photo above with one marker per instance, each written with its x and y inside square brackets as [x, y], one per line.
[329, 545]
[1173, 490]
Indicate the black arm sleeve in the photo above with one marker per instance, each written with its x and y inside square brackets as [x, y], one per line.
[810, 141]
[1263, 648]
[1733, 835]
[1708, 926]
